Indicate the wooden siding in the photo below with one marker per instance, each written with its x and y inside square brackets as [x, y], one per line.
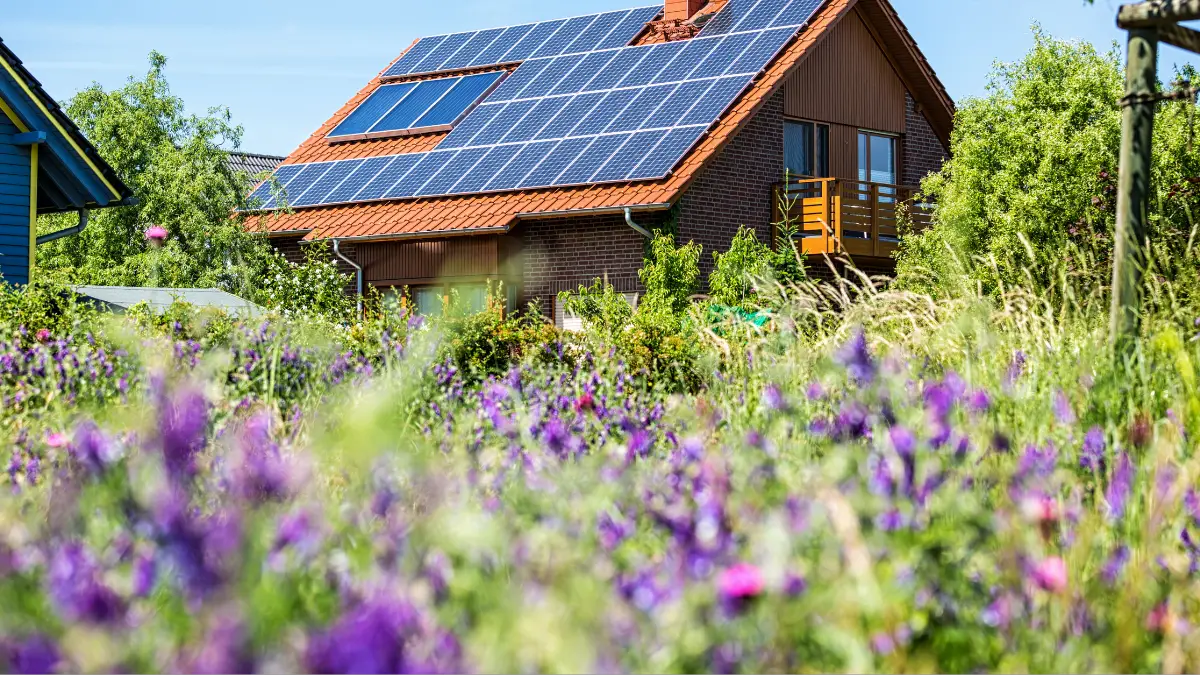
[14, 206]
[847, 80]
[397, 263]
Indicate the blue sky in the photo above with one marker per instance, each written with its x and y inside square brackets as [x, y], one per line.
[284, 67]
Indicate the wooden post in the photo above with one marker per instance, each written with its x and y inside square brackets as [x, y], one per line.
[1133, 188]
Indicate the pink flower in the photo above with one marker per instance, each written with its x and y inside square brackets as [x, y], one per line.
[156, 234]
[743, 580]
[585, 402]
[43, 335]
[56, 440]
[1040, 509]
[1051, 575]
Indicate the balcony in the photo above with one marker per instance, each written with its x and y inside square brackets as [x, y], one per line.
[837, 216]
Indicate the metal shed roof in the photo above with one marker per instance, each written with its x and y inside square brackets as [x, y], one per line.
[120, 298]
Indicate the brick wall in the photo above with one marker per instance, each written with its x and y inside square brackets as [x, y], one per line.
[735, 188]
[562, 254]
[923, 152]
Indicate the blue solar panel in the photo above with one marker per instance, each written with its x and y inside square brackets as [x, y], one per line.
[550, 76]
[429, 164]
[530, 156]
[762, 15]
[605, 112]
[715, 100]
[469, 127]
[456, 102]
[387, 177]
[695, 52]
[591, 159]
[452, 172]
[667, 154]
[278, 180]
[502, 123]
[527, 72]
[564, 36]
[416, 104]
[470, 51]
[760, 53]
[629, 27]
[487, 167]
[624, 62]
[660, 56]
[376, 106]
[527, 45]
[320, 189]
[444, 51]
[797, 13]
[296, 186]
[592, 65]
[569, 115]
[494, 53]
[554, 163]
[640, 109]
[357, 180]
[628, 156]
[414, 55]
[677, 104]
[727, 18]
[529, 126]
[596, 33]
[717, 62]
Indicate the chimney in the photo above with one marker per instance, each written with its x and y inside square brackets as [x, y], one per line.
[682, 10]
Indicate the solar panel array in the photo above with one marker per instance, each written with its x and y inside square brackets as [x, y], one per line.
[458, 51]
[416, 105]
[611, 115]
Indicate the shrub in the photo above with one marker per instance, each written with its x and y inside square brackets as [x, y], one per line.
[312, 287]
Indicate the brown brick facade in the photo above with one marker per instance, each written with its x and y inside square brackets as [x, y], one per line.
[734, 189]
[923, 152]
[561, 254]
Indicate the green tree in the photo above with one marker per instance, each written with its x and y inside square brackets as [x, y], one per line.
[670, 273]
[175, 163]
[736, 271]
[1030, 189]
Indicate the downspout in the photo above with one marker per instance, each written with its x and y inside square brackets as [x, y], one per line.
[359, 274]
[638, 228]
[68, 232]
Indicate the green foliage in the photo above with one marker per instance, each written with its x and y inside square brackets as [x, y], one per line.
[44, 305]
[603, 309]
[175, 163]
[488, 343]
[732, 281]
[313, 287]
[670, 274]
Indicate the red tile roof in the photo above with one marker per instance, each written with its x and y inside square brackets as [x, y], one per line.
[468, 214]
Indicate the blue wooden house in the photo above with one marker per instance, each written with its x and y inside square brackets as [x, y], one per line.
[46, 166]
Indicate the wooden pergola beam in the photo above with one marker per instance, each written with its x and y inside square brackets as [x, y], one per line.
[1180, 36]
[1157, 13]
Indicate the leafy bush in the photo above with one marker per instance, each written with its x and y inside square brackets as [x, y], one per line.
[312, 287]
[671, 273]
[488, 343]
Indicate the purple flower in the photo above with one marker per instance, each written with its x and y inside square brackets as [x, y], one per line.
[224, 649]
[1092, 457]
[182, 426]
[1015, 369]
[855, 356]
[34, 654]
[815, 391]
[259, 473]
[1191, 502]
[882, 644]
[613, 531]
[773, 398]
[1115, 565]
[91, 448]
[1062, 408]
[890, 520]
[1119, 488]
[145, 574]
[77, 590]
[369, 638]
[902, 440]
[980, 401]
[1050, 575]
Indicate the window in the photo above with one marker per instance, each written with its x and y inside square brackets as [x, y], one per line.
[414, 107]
[806, 149]
[428, 300]
[471, 298]
[877, 158]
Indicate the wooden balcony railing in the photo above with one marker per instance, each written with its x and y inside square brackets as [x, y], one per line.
[832, 215]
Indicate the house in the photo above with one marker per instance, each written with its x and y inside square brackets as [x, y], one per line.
[251, 164]
[541, 155]
[46, 166]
